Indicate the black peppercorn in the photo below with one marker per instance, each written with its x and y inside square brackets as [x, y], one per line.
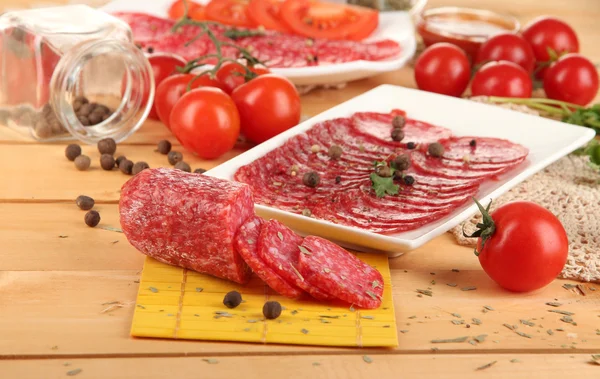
[473, 143]
[411, 145]
[81, 99]
[101, 109]
[174, 157]
[164, 147]
[397, 134]
[119, 159]
[409, 180]
[82, 162]
[126, 166]
[181, 165]
[85, 110]
[199, 171]
[398, 122]
[94, 118]
[85, 203]
[84, 120]
[107, 146]
[92, 218]
[272, 310]
[150, 50]
[338, 179]
[401, 162]
[107, 162]
[139, 167]
[232, 299]
[335, 152]
[311, 179]
[435, 149]
[43, 130]
[72, 151]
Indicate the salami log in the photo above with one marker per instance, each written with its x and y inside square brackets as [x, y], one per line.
[187, 220]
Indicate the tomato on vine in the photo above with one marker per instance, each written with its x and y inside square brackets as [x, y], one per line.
[232, 75]
[443, 68]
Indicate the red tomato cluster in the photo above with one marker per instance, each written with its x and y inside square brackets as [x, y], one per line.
[208, 118]
[309, 18]
[506, 64]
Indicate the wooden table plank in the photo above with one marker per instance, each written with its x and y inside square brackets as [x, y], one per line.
[450, 366]
[41, 309]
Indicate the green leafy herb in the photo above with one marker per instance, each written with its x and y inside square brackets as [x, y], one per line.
[486, 228]
[451, 340]
[487, 365]
[383, 186]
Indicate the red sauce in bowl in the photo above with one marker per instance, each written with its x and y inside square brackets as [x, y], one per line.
[467, 28]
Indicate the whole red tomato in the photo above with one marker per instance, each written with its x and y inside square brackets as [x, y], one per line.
[231, 75]
[163, 66]
[524, 246]
[505, 79]
[548, 34]
[507, 47]
[573, 78]
[443, 68]
[172, 88]
[268, 105]
[206, 122]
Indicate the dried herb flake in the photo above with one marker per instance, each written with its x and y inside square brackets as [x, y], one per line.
[476, 321]
[74, 372]
[487, 365]
[153, 290]
[199, 289]
[304, 331]
[458, 322]
[527, 322]
[553, 304]
[425, 292]
[566, 313]
[595, 359]
[451, 340]
[489, 308]
[367, 359]
[456, 315]
[523, 334]
[451, 284]
[211, 361]
[480, 338]
[515, 360]
[550, 332]
[471, 288]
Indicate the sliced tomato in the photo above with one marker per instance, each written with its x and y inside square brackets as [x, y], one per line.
[316, 19]
[177, 9]
[229, 12]
[266, 14]
[198, 13]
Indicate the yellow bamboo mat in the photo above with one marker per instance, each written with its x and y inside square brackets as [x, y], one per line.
[176, 303]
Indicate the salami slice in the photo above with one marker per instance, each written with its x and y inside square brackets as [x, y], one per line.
[379, 126]
[187, 220]
[278, 246]
[436, 166]
[246, 243]
[339, 273]
[483, 150]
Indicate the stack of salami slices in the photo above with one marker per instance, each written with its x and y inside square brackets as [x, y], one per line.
[429, 189]
[277, 50]
[208, 225]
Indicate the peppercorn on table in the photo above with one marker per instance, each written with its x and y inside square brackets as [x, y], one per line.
[68, 292]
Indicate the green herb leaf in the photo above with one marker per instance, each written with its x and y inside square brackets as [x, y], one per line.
[383, 186]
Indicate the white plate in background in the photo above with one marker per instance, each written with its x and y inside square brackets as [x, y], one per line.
[547, 141]
[396, 26]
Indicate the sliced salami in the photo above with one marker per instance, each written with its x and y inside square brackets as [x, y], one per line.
[483, 150]
[340, 274]
[379, 126]
[435, 166]
[278, 246]
[246, 243]
[187, 220]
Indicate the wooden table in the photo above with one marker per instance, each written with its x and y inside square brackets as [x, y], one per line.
[57, 276]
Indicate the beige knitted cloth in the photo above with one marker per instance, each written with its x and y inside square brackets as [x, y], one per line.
[570, 189]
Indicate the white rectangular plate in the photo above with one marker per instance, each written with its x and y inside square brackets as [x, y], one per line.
[546, 139]
[396, 26]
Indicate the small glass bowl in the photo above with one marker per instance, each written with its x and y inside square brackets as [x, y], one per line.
[465, 27]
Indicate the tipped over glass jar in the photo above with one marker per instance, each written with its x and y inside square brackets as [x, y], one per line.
[72, 72]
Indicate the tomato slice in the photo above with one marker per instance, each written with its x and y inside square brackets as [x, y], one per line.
[316, 19]
[266, 14]
[177, 9]
[229, 12]
[198, 13]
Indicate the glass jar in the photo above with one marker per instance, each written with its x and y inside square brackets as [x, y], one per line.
[72, 72]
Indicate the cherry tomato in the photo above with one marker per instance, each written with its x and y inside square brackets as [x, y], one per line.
[507, 47]
[206, 122]
[573, 78]
[268, 105]
[231, 75]
[549, 33]
[443, 68]
[319, 19]
[527, 249]
[505, 79]
[172, 89]
[198, 14]
[177, 9]
[163, 66]
[229, 12]
[266, 13]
